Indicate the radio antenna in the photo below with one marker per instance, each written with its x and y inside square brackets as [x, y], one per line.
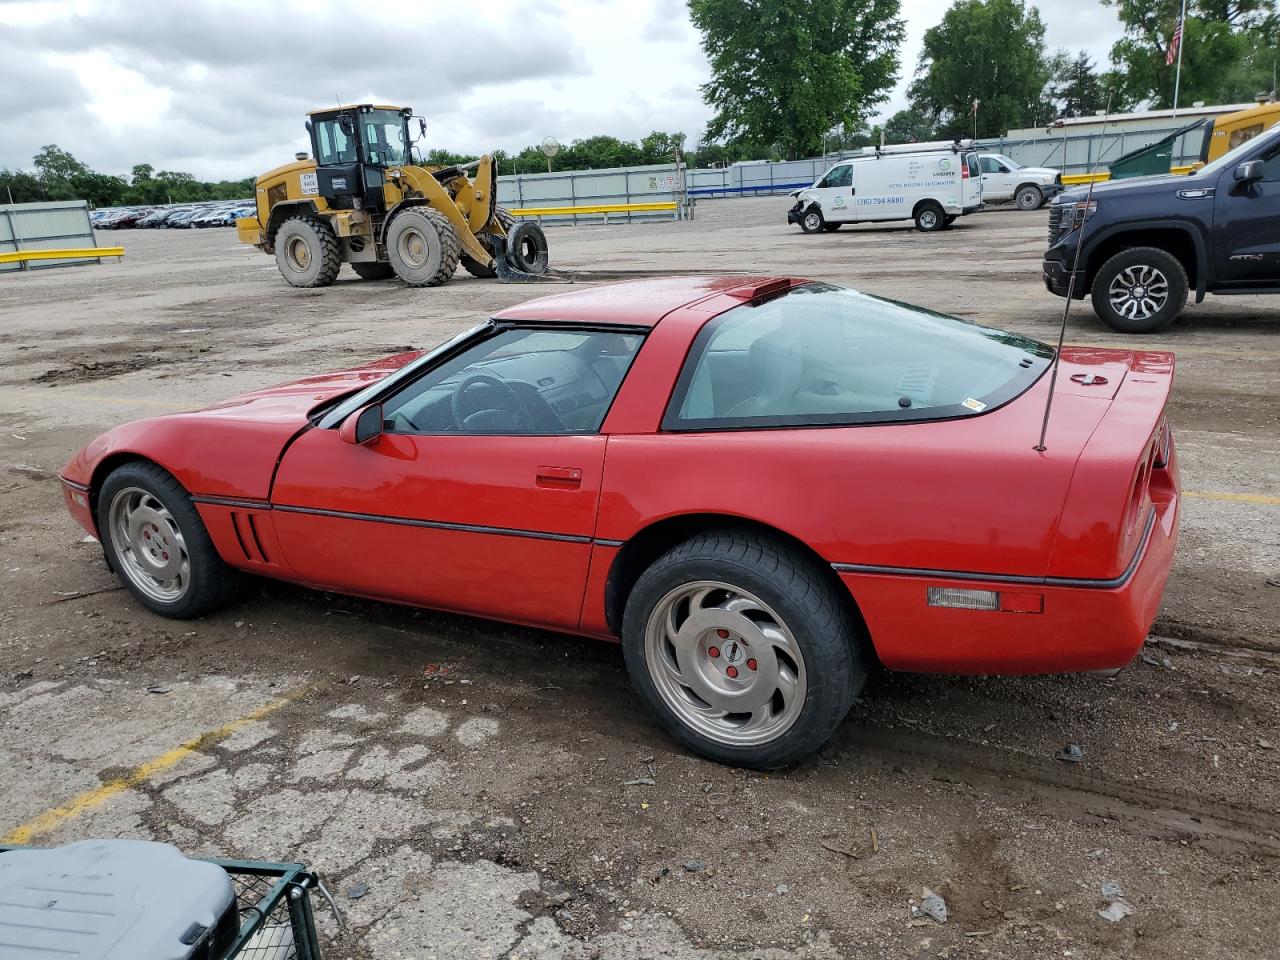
[1071, 282]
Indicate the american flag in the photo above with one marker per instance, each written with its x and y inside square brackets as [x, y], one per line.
[1172, 53]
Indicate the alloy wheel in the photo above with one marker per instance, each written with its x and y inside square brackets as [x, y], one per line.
[148, 546]
[725, 663]
[1138, 292]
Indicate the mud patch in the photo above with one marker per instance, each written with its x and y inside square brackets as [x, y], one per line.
[84, 371]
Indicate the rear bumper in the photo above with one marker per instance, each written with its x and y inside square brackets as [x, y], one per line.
[1082, 626]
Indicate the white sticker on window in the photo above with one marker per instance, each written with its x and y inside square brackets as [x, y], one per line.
[309, 182]
[977, 406]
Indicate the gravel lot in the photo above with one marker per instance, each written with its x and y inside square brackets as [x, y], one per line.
[472, 774]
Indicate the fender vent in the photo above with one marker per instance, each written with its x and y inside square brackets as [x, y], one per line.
[246, 530]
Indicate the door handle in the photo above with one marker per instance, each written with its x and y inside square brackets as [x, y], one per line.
[561, 478]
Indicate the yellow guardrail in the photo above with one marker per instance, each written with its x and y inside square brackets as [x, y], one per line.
[1071, 179]
[23, 256]
[668, 205]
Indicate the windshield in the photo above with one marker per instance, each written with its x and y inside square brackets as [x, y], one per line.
[383, 132]
[1011, 164]
[1233, 156]
[821, 354]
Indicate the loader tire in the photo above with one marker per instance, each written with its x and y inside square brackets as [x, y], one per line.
[423, 247]
[473, 266]
[373, 270]
[307, 252]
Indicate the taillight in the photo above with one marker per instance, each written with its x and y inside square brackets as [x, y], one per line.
[964, 171]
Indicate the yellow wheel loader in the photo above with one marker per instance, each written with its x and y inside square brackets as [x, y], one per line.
[361, 199]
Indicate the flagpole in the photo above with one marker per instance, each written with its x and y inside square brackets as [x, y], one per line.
[1182, 42]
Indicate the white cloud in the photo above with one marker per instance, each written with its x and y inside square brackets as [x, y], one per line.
[220, 88]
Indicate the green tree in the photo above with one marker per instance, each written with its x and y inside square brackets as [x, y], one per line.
[991, 51]
[1075, 88]
[908, 126]
[785, 72]
[1228, 50]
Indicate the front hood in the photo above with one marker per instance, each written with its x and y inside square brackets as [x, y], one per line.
[1158, 183]
[1038, 171]
[229, 449]
[295, 399]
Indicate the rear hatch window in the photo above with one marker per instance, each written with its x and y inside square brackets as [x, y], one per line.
[821, 354]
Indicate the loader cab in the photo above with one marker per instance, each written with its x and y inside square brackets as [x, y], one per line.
[353, 147]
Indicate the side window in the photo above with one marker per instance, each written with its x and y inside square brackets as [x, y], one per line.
[1244, 135]
[841, 176]
[991, 165]
[518, 381]
[333, 146]
[971, 160]
[1271, 165]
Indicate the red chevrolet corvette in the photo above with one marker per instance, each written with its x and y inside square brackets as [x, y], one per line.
[762, 486]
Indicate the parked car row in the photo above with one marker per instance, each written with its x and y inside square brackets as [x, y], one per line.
[180, 216]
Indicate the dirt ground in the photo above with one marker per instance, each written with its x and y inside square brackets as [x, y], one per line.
[472, 775]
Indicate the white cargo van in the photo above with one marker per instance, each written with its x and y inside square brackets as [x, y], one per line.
[930, 183]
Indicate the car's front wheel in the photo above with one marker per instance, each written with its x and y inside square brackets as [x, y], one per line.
[1029, 197]
[812, 221]
[743, 650]
[1140, 290]
[158, 545]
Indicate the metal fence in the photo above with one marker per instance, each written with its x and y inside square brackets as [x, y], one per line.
[1078, 153]
[589, 188]
[55, 225]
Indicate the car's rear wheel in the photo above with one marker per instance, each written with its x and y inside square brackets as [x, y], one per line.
[1029, 197]
[812, 221]
[929, 217]
[1140, 290]
[158, 545]
[742, 649]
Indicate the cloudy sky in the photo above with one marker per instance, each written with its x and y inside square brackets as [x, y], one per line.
[219, 87]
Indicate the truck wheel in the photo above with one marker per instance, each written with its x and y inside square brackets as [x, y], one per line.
[1029, 197]
[423, 247]
[930, 217]
[813, 221]
[743, 649]
[373, 270]
[158, 545]
[1140, 290]
[474, 267]
[307, 252]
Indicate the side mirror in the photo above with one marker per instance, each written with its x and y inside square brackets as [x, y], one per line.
[422, 127]
[1249, 172]
[307, 124]
[364, 426]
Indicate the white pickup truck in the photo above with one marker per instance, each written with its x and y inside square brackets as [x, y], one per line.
[1004, 180]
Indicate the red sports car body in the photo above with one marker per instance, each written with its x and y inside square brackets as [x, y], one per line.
[533, 469]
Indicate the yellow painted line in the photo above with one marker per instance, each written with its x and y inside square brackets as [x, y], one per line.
[596, 208]
[20, 256]
[1232, 497]
[56, 816]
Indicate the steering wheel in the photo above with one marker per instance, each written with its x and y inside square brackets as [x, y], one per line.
[507, 397]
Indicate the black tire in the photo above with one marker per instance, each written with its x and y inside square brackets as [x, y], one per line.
[373, 270]
[1028, 197]
[929, 216]
[527, 248]
[210, 583]
[832, 643]
[474, 267]
[307, 252]
[832, 227]
[812, 221]
[423, 247]
[1145, 273]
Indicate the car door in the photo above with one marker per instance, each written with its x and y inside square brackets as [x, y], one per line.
[997, 179]
[834, 193]
[480, 495]
[1246, 218]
